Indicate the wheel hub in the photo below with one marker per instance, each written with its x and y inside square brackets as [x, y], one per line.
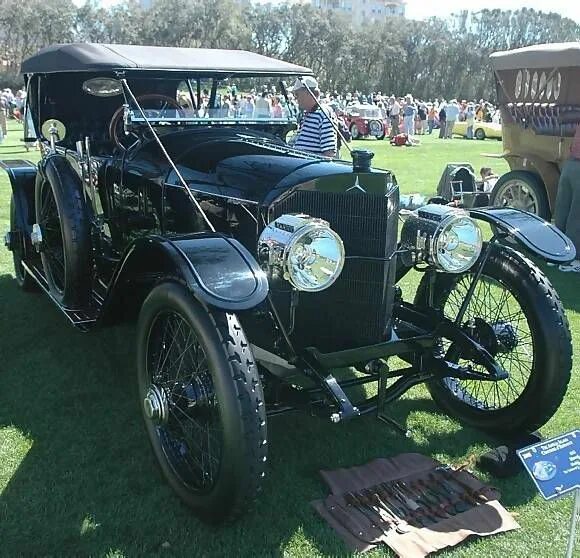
[506, 336]
[156, 405]
[199, 392]
[497, 337]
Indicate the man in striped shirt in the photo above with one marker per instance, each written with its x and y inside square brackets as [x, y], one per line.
[316, 133]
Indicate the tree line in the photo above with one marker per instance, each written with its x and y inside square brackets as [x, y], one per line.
[446, 56]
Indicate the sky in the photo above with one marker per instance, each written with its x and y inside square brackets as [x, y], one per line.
[419, 9]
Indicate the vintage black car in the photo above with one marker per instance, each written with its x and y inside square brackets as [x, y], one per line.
[256, 271]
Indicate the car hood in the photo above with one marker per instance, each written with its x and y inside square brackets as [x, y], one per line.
[229, 163]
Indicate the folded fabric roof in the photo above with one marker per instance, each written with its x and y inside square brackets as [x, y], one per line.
[92, 57]
[538, 56]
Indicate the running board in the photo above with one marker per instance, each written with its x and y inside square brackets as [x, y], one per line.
[83, 319]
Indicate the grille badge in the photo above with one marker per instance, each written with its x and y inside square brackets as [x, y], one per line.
[356, 186]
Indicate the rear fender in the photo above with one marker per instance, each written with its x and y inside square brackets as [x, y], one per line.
[538, 236]
[217, 269]
[22, 176]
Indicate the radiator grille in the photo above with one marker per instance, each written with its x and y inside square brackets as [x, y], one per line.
[355, 310]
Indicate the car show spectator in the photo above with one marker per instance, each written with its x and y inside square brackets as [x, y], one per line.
[409, 113]
[316, 133]
[395, 115]
[277, 111]
[470, 119]
[567, 210]
[452, 112]
[262, 108]
[442, 121]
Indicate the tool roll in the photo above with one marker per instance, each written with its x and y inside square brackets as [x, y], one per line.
[412, 503]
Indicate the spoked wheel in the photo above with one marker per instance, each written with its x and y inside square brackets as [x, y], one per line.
[517, 316]
[62, 216]
[522, 190]
[202, 403]
[52, 238]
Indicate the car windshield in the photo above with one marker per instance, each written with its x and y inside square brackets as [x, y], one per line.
[366, 112]
[185, 101]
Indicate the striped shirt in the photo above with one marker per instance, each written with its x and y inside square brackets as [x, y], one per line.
[316, 133]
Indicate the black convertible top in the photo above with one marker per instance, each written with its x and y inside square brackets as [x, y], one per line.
[92, 57]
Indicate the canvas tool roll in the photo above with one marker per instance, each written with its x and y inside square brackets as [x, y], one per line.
[412, 503]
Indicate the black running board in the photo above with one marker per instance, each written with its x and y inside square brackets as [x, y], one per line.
[83, 319]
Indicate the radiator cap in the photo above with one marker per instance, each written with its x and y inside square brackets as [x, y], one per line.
[361, 160]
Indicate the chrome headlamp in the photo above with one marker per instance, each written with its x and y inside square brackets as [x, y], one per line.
[444, 237]
[302, 250]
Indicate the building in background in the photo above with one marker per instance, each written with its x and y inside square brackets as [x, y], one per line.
[363, 11]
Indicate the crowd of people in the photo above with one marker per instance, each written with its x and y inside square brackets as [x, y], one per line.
[11, 106]
[406, 114]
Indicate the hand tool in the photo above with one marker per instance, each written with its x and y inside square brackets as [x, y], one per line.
[401, 525]
[435, 509]
[451, 503]
[370, 514]
[424, 510]
[451, 475]
[348, 521]
[451, 488]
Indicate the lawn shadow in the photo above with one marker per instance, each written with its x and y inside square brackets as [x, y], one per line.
[89, 482]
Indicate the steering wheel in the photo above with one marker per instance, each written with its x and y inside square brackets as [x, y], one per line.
[149, 102]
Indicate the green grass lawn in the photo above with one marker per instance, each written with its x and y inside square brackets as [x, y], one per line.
[77, 476]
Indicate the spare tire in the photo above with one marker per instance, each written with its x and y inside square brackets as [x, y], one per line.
[62, 215]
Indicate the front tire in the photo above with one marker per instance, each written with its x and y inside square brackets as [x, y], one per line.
[203, 402]
[354, 132]
[480, 134]
[515, 304]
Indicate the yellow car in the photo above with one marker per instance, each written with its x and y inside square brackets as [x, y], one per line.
[481, 130]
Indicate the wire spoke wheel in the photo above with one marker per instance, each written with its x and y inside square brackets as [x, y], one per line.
[52, 237]
[496, 319]
[203, 402]
[188, 418]
[516, 316]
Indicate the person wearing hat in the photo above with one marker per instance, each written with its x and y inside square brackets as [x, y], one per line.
[316, 133]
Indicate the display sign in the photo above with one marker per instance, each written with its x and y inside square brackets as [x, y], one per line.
[554, 464]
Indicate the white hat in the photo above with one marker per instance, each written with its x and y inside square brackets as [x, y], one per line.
[306, 81]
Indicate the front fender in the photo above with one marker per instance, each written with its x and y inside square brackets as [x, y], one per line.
[217, 269]
[538, 236]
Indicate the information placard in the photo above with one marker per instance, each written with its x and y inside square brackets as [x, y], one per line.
[554, 464]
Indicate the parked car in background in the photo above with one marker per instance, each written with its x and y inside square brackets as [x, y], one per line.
[366, 121]
[539, 98]
[481, 130]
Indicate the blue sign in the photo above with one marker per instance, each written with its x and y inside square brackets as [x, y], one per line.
[554, 464]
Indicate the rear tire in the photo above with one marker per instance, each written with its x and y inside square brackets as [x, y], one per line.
[66, 248]
[524, 304]
[211, 446]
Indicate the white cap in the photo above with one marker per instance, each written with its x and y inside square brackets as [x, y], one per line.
[306, 81]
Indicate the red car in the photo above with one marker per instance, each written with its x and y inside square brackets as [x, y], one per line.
[366, 121]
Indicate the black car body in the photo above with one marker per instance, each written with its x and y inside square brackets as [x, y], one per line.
[257, 269]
